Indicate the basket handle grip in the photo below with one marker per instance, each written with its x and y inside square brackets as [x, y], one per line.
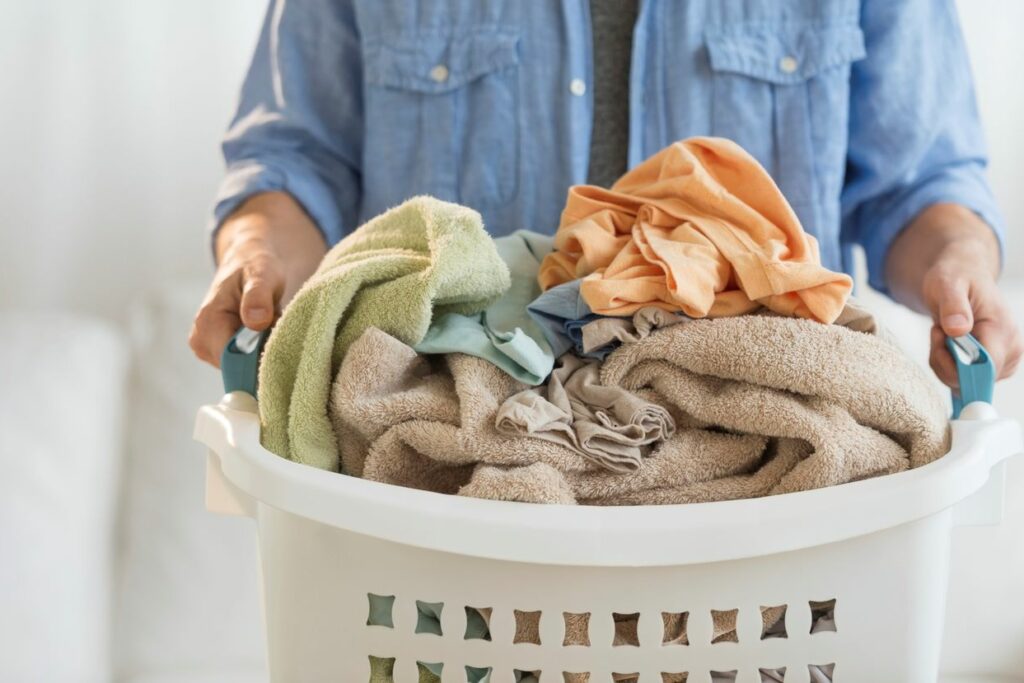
[240, 361]
[976, 373]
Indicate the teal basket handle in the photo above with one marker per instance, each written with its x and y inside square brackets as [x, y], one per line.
[240, 361]
[976, 373]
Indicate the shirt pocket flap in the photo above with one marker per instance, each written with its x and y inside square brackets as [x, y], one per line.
[436, 63]
[784, 55]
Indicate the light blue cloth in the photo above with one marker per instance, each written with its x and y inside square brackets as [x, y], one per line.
[863, 111]
[561, 313]
[504, 334]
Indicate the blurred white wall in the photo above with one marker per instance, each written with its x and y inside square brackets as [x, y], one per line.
[992, 29]
[112, 112]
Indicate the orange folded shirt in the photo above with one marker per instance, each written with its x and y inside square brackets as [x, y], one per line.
[701, 228]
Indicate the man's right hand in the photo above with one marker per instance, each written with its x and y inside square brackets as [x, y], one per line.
[265, 251]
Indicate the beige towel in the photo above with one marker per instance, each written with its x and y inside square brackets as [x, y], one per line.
[762, 404]
[608, 425]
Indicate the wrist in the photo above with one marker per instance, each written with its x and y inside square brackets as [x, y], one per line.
[274, 223]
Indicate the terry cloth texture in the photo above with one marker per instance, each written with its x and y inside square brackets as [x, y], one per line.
[763, 404]
[395, 273]
[608, 425]
[699, 227]
[504, 334]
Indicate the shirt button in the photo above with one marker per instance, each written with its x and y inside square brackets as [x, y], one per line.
[577, 87]
[788, 64]
[439, 73]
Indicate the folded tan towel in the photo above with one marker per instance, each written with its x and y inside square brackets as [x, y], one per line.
[608, 425]
[762, 405]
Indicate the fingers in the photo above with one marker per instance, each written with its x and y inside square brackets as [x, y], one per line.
[993, 326]
[955, 315]
[264, 284]
[940, 359]
[217, 319]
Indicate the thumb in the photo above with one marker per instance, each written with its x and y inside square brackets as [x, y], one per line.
[955, 316]
[262, 289]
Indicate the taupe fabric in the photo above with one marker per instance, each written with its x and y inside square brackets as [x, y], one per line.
[608, 425]
[609, 330]
[762, 405]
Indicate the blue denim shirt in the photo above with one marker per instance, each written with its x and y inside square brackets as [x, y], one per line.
[862, 110]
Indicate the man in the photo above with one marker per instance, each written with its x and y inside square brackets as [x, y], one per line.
[862, 110]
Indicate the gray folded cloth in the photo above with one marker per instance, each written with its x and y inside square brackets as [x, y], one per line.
[610, 332]
[608, 425]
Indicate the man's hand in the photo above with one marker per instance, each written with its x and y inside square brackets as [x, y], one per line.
[945, 264]
[265, 251]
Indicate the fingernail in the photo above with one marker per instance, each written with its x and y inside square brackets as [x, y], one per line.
[258, 314]
[955, 320]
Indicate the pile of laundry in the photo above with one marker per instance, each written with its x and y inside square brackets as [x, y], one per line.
[676, 341]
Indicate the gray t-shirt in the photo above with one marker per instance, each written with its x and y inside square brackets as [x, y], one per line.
[612, 23]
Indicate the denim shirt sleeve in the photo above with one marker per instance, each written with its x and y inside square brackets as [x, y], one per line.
[298, 128]
[915, 135]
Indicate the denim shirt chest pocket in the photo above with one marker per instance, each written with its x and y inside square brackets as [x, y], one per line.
[442, 114]
[782, 90]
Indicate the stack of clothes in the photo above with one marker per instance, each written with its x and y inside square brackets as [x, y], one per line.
[676, 341]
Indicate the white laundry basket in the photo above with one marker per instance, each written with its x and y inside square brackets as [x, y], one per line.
[879, 548]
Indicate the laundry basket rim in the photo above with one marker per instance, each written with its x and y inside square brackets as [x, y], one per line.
[597, 535]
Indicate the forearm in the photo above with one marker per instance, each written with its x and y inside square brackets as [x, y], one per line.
[947, 237]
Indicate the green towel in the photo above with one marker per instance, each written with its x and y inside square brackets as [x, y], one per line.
[504, 334]
[420, 259]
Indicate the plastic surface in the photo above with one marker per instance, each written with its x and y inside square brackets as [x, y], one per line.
[976, 373]
[239, 363]
[879, 547]
[607, 536]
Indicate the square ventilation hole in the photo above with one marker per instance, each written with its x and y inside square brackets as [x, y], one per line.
[477, 674]
[381, 608]
[382, 669]
[674, 632]
[429, 669]
[724, 624]
[577, 629]
[626, 629]
[823, 615]
[527, 627]
[773, 622]
[477, 623]
[822, 673]
[428, 617]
